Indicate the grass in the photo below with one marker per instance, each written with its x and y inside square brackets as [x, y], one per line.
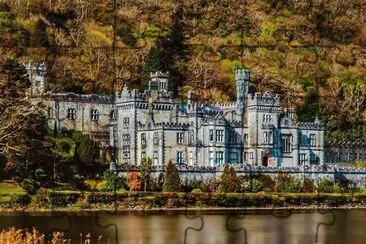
[9, 188]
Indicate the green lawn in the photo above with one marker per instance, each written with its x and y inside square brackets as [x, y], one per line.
[7, 188]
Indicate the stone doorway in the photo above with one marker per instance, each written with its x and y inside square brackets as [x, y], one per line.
[265, 160]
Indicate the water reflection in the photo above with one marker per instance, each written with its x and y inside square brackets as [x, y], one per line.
[222, 227]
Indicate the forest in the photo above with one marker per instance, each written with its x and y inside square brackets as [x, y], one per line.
[311, 52]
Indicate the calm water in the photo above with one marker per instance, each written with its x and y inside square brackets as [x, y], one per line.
[341, 226]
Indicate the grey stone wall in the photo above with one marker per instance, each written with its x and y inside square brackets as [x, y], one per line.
[316, 173]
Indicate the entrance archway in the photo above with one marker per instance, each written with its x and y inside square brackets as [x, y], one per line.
[265, 160]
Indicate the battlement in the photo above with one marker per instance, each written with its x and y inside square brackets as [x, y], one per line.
[159, 74]
[265, 99]
[229, 105]
[73, 97]
[36, 67]
[164, 125]
[127, 95]
[242, 74]
[310, 125]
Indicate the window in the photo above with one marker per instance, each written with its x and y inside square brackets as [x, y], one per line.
[156, 138]
[113, 115]
[302, 159]
[143, 140]
[126, 157]
[312, 140]
[286, 143]
[211, 135]
[267, 137]
[314, 159]
[71, 113]
[156, 158]
[245, 139]
[232, 137]
[267, 118]
[219, 158]
[126, 123]
[180, 138]
[179, 157]
[126, 139]
[190, 158]
[245, 156]
[94, 115]
[220, 136]
[143, 155]
[212, 158]
[250, 157]
[233, 158]
[191, 136]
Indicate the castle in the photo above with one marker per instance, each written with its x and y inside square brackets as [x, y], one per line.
[253, 130]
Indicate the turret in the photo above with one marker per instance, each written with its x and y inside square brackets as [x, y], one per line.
[159, 81]
[36, 72]
[242, 77]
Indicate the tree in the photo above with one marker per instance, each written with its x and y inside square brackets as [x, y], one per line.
[145, 170]
[228, 179]
[113, 182]
[172, 179]
[153, 62]
[21, 120]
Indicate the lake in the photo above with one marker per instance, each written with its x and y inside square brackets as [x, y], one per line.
[280, 226]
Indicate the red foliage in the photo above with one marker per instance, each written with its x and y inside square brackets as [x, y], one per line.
[134, 181]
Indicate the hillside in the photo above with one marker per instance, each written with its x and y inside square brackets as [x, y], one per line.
[312, 52]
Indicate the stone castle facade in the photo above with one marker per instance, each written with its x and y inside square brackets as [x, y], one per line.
[253, 130]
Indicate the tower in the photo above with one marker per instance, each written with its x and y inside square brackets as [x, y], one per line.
[242, 77]
[159, 81]
[36, 72]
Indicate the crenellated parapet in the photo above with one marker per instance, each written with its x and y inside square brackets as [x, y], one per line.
[225, 106]
[242, 74]
[264, 99]
[164, 125]
[91, 98]
[151, 96]
[310, 125]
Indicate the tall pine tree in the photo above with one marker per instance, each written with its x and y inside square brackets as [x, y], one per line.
[154, 61]
[172, 179]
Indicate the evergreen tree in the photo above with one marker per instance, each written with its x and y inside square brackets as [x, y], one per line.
[39, 36]
[228, 179]
[154, 61]
[172, 179]
[170, 54]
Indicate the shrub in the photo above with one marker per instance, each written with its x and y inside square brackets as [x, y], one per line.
[308, 186]
[21, 199]
[243, 184]
[30, 186]
[267, 181]
[325, 185]
[102, 197]
[134, 181]
[228, 179]
[256, 185]
[112, 181]
[196, 191]
[172, 179]
[92, 185]
[61, 199]
[287, 183]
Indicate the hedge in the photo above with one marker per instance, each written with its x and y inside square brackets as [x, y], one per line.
[183, 200]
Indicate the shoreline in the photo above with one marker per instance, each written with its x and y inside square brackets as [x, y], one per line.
[182, 210]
